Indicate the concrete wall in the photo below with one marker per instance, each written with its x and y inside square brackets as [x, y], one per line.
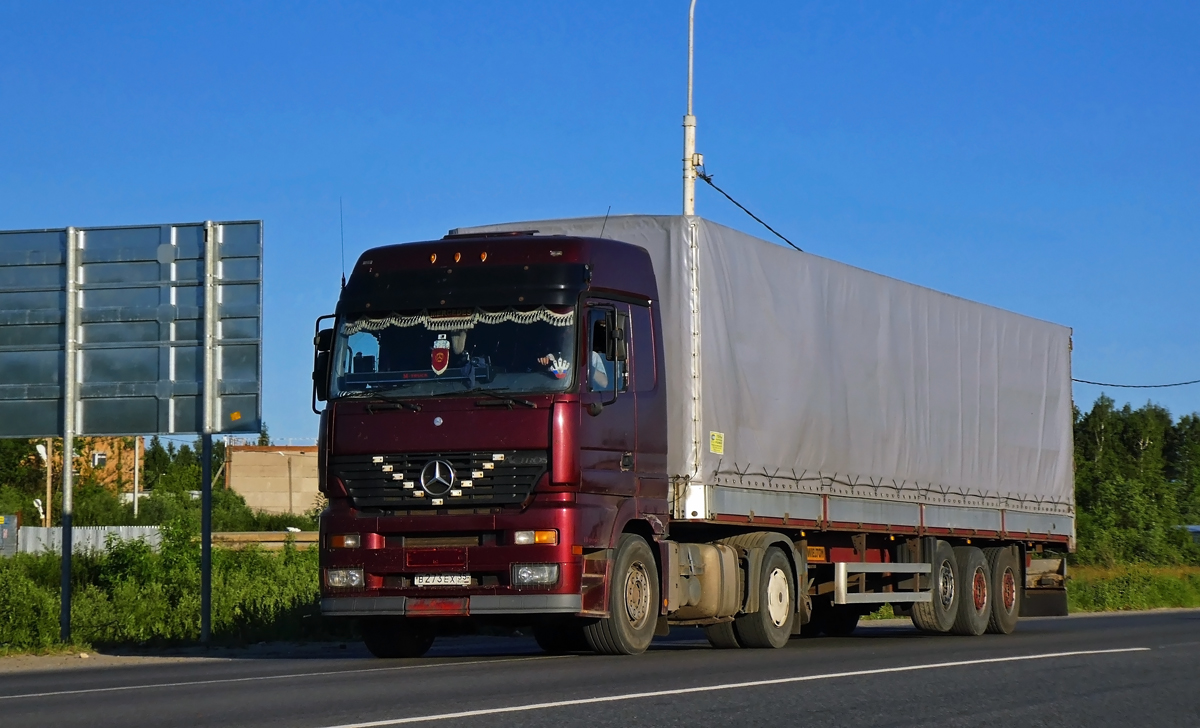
[84, 539]
[275, 479]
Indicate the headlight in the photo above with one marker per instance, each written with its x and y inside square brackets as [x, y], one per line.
[534, 574]
[524, 538]
[345, 541]
[343, 578]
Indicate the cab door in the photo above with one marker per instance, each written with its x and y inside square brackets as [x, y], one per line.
[607, 428]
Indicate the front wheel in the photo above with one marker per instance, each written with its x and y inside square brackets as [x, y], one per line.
[771, 625]
[633, 601]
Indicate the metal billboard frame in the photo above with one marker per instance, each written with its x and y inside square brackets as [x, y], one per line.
[19, 287]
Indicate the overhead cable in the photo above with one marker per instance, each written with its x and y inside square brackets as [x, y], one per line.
[708, 178]
[1137, 386]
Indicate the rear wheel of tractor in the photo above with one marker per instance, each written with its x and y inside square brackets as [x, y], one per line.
[975, 592]
[771, 625]
[396, 636]
[1006, 590]
[557, 635]
[633, 602]
[842, 620]
[722, 636]
[938, 615]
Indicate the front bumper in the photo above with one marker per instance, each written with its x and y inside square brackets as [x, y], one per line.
[478, 604]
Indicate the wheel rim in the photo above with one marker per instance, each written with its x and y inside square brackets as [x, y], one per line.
[946, 579]
[779, 597]
[637, 595]
[1010, 590]
[979, 589]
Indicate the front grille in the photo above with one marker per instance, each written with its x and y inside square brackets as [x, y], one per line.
[392, 482]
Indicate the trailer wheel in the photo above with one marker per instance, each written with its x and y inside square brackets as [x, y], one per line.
[396, 636]
[771, 625]
[557, 635]
[975, 592]
[633, 602]
[1006, 590]
[938, 615]
[722, 636]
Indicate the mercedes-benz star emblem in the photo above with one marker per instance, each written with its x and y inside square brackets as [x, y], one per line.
[437, 477]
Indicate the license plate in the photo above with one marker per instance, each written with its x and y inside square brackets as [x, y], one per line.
[442, 580]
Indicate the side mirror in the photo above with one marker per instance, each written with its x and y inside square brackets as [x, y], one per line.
[322, 358]
[620, 337]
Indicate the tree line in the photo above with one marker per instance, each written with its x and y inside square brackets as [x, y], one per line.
[171, 479]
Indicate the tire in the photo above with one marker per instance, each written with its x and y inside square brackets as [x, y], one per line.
[1006, 590]
[771, 626]
[559, 635]
[722, 636]
[389, 637]
[975, 592]
[633, 602]
[842, 620]
[937, 616]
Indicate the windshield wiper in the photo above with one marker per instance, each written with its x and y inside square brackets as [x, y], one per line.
[388, 394]
[400, 404]
[501, 399]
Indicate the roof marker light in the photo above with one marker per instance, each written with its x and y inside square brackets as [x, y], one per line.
[457, 257]
[482, 257]
[433, 258]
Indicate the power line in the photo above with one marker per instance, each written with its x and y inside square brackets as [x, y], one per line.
[708, 178]
[1137, 386]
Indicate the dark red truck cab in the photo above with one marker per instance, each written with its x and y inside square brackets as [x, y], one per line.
[495, 488]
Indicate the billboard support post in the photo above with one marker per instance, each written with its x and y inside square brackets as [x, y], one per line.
[70, 392]
[210, 416]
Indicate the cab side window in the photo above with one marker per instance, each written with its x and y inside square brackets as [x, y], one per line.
[600, 370]
[603, 373]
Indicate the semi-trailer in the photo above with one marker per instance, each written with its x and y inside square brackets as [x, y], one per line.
[603, 428]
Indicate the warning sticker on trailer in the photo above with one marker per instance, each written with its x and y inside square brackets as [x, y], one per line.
[716, 443]
[816, 553]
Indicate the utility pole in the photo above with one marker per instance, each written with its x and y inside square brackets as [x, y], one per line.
[690, 159]
[137, 446]
[46, 519]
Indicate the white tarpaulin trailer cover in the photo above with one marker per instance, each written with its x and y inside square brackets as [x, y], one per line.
[814, 377]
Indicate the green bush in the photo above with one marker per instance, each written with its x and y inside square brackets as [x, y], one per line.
[1134, 588]
[28, 611]
[131, 594]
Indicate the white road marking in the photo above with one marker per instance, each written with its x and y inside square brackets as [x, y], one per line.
[219, 681]
[726, 686]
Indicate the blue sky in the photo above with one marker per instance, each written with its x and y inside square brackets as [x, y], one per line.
[1040, 157]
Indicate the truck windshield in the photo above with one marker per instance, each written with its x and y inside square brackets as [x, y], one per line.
[436, 352]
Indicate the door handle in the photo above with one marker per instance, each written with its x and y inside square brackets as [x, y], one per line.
[627, 461]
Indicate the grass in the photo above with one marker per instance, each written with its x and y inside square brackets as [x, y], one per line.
[1121, 588]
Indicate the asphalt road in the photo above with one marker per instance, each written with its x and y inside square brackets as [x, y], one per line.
[1127, 670]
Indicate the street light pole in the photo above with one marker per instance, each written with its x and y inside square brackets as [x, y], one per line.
[690, 158]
